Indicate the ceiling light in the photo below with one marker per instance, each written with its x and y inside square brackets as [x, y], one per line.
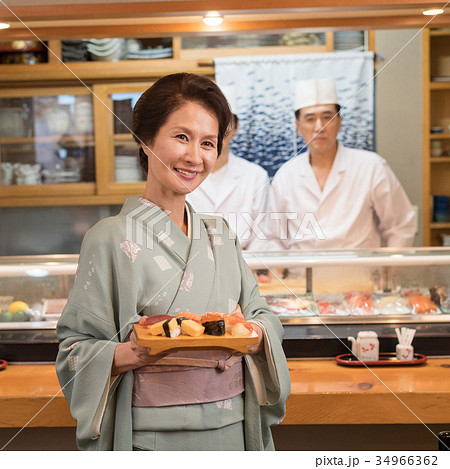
[435, 11]
[213, 19]
[4, 25]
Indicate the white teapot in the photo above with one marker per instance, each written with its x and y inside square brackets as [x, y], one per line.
[366, 346]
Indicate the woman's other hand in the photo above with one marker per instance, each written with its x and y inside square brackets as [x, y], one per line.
[256, 348]
[130, 355]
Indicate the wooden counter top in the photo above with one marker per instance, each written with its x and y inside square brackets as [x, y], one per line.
[323, 392]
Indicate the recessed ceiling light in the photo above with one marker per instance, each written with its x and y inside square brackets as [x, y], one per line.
[4, 25]
[435, 11]
[213, 19]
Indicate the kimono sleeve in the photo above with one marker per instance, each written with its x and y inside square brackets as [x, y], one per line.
[88, 336]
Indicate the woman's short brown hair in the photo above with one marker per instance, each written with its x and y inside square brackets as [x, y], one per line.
[166, 95]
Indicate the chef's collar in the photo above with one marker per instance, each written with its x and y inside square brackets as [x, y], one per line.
[340, 162]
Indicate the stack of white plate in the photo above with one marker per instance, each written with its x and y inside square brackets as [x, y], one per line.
[158, 53]
[127, 169]
[106, 49]
[349, 40]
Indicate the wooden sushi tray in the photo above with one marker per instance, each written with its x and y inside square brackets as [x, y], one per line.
[157, 344]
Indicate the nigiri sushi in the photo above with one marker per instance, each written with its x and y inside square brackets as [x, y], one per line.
[190, 327]
[234, 325]
[168, 327]
[192, 316]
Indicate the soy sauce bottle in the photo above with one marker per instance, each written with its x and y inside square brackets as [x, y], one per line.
[444, 441]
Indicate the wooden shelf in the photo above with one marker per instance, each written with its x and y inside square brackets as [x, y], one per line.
[53, 201]
[123, 138]
[440, 226]
[34, 192]
[442, 136]
[96, 71]
[440, 159]
[440, 32]
[85, 139]
[439, 85]
[436, 102]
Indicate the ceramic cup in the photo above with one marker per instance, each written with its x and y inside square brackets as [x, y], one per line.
[404, 352]
[436, 148]
[441, 204]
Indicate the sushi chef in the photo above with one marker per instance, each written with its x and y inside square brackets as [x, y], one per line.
[158, 257]
[236, 189]
[332, 196]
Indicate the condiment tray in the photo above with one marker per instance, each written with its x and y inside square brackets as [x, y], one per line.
[389, 359]
[157, 344]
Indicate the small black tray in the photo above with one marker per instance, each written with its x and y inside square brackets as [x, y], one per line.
[390, 359]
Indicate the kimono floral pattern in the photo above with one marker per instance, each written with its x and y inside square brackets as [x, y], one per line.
[210, 253]
[163, 237]
[162, 263]
[131, 249]
[188, 279]
[214, 237]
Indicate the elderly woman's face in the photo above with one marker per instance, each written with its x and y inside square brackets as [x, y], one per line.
[184, 150]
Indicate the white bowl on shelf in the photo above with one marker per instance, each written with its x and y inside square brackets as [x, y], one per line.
[110, 55]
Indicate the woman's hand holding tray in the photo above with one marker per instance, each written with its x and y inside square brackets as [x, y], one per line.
[157, 344]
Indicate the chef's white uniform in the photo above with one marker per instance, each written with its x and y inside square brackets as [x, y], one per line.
[238, 192]
[361, 203]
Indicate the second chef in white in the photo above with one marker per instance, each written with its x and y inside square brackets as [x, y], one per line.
[236, 189]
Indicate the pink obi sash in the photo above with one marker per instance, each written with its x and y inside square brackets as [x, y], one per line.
[193, 377]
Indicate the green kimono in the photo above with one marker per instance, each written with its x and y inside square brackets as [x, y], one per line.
[139, 262]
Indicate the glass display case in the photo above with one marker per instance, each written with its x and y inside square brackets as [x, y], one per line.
[118, 165]
[46, 138]
[33, 292]
[321, 298]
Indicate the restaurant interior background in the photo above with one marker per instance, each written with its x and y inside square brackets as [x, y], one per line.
[395, 37]
[51, 220]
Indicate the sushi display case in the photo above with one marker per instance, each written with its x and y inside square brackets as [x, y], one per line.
[324, 297]
[321, 298]
[33, 292]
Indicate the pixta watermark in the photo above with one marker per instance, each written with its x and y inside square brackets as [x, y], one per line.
[145, 225]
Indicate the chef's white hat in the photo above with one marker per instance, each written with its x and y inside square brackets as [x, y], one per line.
[315, 92]
[230, 94]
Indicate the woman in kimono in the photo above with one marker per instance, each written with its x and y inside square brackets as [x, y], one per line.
[160, 257]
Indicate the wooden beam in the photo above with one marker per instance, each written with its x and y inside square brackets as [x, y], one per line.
[128, 10]
[228, 27]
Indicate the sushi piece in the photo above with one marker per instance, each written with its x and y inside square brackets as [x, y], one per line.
[216, 328]
[167, 327]
[239, 329]
[237, 326]
[213, 317]
[192, 316]
[191, 328]
[149, 320]
[234, 325]
[157, 328]
[171, 328]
